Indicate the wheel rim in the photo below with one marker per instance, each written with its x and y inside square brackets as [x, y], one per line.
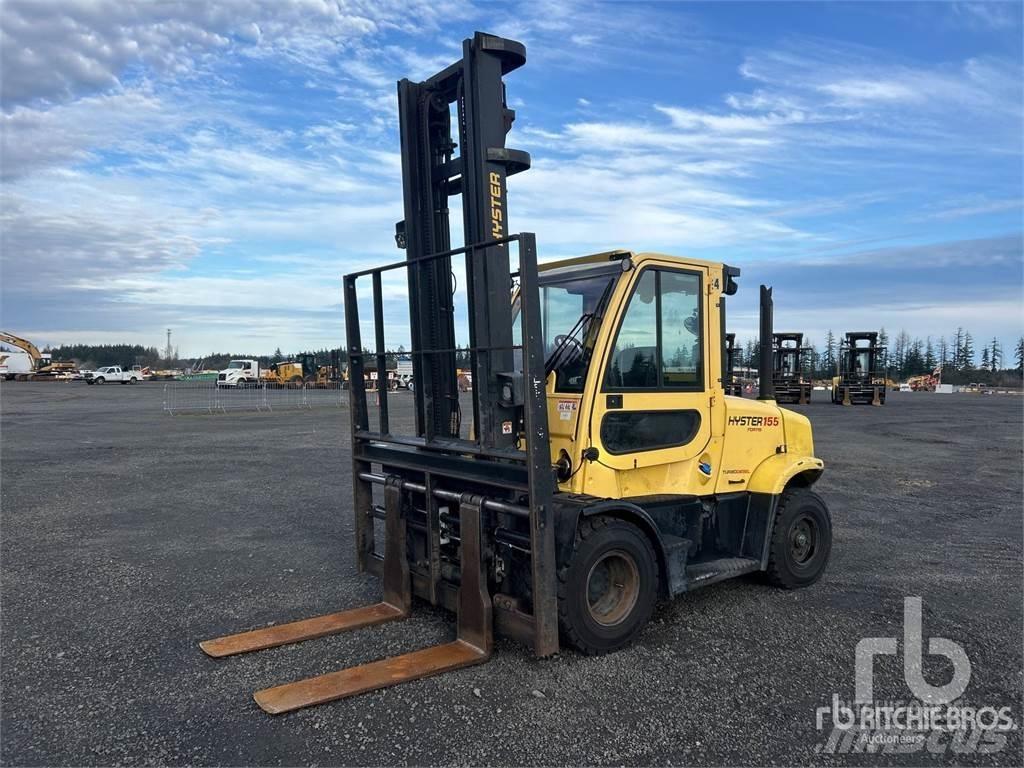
[613, 587]
[803, 540]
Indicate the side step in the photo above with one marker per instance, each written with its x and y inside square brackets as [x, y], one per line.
[472, 646]
[712, 571]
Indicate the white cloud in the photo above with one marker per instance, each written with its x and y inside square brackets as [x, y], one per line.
[695, 120]
[150, 178]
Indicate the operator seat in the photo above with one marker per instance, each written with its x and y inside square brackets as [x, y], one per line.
[635, 367]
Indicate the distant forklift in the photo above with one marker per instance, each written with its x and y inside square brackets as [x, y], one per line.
[862, 364]
[733, 386]
[787, 369]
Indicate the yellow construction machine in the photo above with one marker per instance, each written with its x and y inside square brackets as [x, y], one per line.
[43, 368]
[284, 374]
[603, 466]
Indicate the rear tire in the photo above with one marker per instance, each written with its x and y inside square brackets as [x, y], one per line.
[607, 592]
[801, 539]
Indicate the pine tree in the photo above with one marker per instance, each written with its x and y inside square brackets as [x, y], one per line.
[809, 361]
[958, 350]
[929, 355]
[967, 352]
[984, 359]
[883, 337]
[828, 358]
[943, 352]
[901, 347]
[913, 362]
[1020, 356]
[995, 355]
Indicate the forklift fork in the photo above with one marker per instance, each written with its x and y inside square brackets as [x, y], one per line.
[472, 645]
[395, 605]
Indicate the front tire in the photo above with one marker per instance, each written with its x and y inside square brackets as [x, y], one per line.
[607, 592]
[100, 380]
[801, 539]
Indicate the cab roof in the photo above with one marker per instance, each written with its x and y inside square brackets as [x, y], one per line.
[638, 259]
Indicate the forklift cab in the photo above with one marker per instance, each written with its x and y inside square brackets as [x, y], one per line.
[862, 358]
[308, 363]
[635, 373]
[787, 351]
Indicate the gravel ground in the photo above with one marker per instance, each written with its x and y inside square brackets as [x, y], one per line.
[128, 535]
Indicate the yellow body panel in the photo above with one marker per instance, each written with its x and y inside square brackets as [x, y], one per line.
[740, 444]
[283, 373]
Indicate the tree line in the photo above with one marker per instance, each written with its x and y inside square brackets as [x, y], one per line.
[961, 359]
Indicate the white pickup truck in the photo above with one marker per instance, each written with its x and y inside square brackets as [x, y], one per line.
[113, 373]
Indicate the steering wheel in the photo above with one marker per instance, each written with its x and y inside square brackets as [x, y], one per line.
[690, 323]
[570, 342]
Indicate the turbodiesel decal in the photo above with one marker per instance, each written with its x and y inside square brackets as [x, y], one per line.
[753, 421]
[497, 228]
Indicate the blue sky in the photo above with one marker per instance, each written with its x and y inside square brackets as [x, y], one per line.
[215, 167]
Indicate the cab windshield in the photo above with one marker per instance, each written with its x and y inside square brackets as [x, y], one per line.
[237, 364]
[572, 303]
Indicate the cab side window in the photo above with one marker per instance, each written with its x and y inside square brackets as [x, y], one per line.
[634, 360]
[679, 295]
[659, 343]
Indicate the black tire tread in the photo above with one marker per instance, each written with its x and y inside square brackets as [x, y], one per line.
[587, 528]
[775, 576]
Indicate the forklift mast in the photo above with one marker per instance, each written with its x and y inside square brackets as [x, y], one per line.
[498, 476]
[432, 173]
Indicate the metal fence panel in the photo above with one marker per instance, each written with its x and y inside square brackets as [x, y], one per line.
[207, 397]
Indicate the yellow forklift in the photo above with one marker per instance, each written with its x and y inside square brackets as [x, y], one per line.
[861, 365]
[791, 387]
[603, 465]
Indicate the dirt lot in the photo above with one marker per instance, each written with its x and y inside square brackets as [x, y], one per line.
[129, 535]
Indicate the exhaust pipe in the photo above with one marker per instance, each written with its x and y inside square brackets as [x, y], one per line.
[764, 367]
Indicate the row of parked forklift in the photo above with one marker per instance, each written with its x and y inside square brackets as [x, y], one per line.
[860, 369]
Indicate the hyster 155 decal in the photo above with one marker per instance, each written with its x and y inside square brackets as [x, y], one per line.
[753, 421]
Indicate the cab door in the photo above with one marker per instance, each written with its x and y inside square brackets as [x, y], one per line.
[651, 418]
